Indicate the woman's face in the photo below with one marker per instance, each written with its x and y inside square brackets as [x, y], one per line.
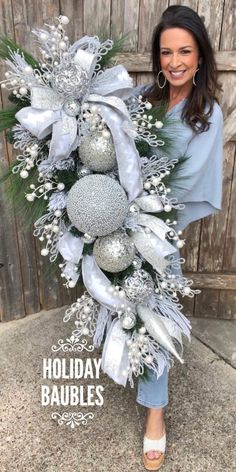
[179, 56]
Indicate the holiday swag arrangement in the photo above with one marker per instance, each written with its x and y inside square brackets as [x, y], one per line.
[100, 196]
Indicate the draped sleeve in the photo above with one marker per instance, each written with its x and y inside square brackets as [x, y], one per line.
[198, 183]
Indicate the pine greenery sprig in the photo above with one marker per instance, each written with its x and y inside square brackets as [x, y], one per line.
[116, 48]
[7, 117]
[8, 45]
[174, 175]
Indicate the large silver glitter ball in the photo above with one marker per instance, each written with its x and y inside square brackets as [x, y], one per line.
[97, 205]
[138, 286]
[97, 152]
[70, 80]
[72, 107]
[114, 252]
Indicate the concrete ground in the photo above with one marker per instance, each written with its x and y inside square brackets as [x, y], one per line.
[200, 416]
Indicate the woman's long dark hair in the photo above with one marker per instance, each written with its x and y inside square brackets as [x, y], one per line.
[204, 92]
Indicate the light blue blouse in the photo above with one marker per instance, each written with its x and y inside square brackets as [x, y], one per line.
[198, 183]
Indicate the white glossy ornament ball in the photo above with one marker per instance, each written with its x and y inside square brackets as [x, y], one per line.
[60, 186]
[87, 309]
[180, 243]
[28, 70]
[187, 290]
[85, 331]
[55, 229]
[34, 153]
[167, 208]
[142, 330]
[48, 186]
[24, 174]
[155, 180]
[44, 252]
[72, 284]
[30, 197]
[58, 213]
[158, 124]
[148, 106]
[43, 36]
[62, 45]
[147, 185]
[64, 20]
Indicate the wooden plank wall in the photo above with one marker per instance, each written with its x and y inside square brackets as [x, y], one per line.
[210, 251]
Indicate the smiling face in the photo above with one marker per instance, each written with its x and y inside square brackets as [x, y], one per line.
[179, 57]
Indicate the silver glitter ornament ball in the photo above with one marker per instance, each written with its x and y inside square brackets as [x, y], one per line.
[129, 320]
[97, 205]
[114, 252]
[83, 171]
[70, 80]
[138, 286]
[72, 107]
[97, 152]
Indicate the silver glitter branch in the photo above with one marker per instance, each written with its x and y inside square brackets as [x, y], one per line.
[50, 227]
[85, 311]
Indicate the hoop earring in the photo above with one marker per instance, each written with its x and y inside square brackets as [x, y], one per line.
[194, 83]
[158, 83]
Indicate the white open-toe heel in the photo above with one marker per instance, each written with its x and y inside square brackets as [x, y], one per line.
[158, 445]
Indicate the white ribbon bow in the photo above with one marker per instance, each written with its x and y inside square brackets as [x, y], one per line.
[108, 89]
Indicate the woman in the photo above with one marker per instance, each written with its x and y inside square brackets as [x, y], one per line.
[185, 79]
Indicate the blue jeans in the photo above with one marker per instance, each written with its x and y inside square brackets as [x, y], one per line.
[153, 392]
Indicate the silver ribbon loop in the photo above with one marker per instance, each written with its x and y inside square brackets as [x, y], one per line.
[47, 110]
[45, 116]
[38, 122]
[114, 81]
[64, 138]
[156, 225]
[71, 249]
[115, 361]
[97, 284]
[86, 60]
[153, 249]
[45, 98]
[113, 110]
